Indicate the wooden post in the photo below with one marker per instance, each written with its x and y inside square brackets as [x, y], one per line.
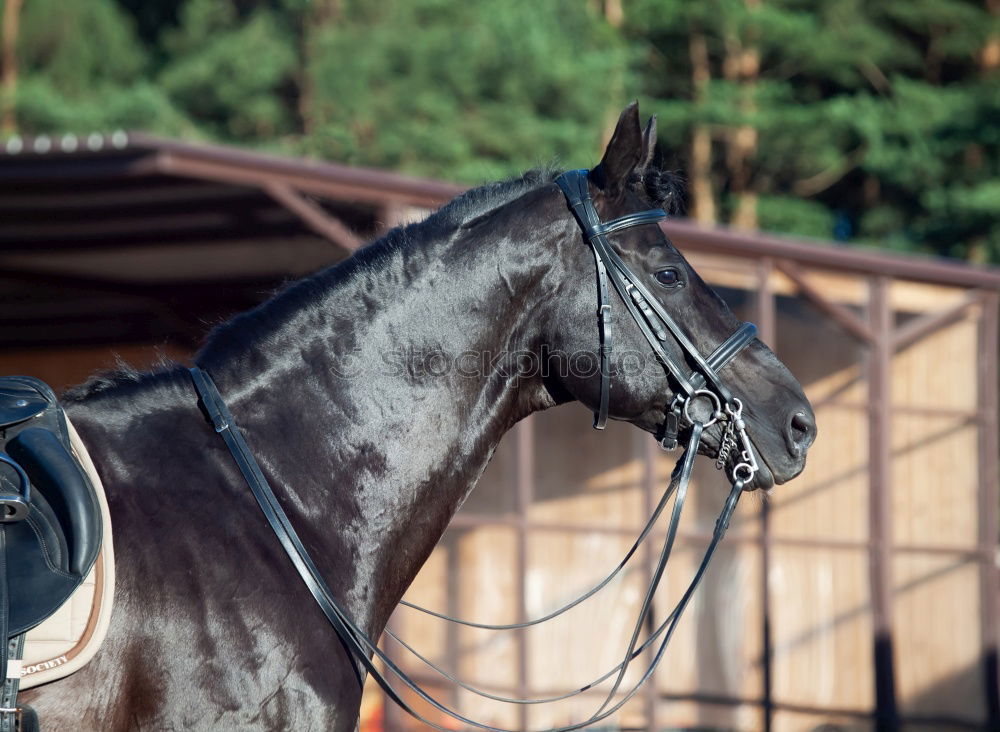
[8, 76]
[880, 502]
[766, 330]
[989, 502]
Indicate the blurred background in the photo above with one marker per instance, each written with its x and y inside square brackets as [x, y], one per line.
[166, 164]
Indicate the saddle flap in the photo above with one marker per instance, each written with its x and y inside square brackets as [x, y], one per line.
[36, 583]
[55, 474]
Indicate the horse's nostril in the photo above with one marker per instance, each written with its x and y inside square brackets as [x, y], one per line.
[803, 429]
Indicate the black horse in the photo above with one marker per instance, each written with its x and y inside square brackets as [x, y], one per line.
[370, 453]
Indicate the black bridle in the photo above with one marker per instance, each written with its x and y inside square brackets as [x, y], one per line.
[656, 324]
[702, 383]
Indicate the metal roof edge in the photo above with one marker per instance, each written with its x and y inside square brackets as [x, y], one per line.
[303, 166]
[423, 191]
[835, 256]
[121, 141]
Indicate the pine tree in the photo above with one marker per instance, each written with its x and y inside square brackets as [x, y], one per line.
[466, 91]
[80, 67]
[870, 122]
[867, 121]
[233, 72]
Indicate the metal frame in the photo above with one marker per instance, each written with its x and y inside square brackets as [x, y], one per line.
[135, 154]
[766, 314]
[313, 215]
[880, 502]
[882, 339]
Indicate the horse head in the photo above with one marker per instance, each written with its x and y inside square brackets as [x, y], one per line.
[643, 391]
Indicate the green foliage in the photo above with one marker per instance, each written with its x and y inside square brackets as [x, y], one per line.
[878, 119]
[229, 72]
[78, 44]
[795, 216]
[43, 108]
[463, 90]
[82, 68]
[880, 112]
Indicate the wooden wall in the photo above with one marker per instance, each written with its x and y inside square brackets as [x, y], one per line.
[65, 367]
[785, 613]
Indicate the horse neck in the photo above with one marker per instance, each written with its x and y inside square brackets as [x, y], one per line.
[370, 431]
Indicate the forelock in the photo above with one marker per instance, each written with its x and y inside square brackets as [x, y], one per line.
[662, 188]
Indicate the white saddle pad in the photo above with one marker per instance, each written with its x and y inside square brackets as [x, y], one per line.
[67, 640]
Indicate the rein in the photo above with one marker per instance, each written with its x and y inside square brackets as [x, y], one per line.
[702, 383]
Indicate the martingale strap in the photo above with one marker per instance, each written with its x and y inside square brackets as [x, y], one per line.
[361, 647]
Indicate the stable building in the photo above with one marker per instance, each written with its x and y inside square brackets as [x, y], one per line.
[866, 589]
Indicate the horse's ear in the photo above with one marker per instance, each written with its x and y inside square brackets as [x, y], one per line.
[624, 153]
[648, 144]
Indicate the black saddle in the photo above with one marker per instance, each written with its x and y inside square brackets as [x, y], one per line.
[50, 519]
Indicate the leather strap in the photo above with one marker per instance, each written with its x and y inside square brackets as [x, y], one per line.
[604, 327]
[588, 218]
[652, 216]
[654, 516]
[354, 639]
[687, 465]
[5, 623]
[679, 481]
[728, 349]
[10, 714]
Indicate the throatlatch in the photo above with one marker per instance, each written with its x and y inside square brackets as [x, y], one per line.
[702, 384]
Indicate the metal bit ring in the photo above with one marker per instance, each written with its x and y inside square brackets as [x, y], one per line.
[749, 472]
[716, 407]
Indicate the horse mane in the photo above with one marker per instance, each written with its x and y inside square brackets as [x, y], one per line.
[658, 188]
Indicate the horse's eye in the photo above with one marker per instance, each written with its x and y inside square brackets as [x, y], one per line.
[668, 277]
